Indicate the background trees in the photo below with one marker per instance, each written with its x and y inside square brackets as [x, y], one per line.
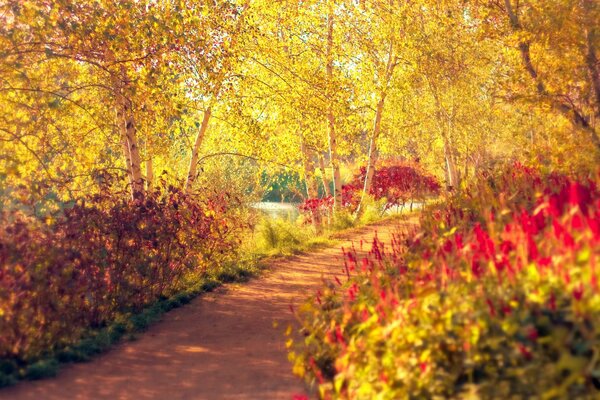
[142, 88]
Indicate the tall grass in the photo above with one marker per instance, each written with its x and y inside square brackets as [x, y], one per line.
[277, 236]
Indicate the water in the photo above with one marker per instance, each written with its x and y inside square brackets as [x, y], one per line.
[287, 211]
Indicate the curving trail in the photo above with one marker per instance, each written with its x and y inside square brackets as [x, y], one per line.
[223, 345]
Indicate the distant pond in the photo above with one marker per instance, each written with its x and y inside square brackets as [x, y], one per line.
[288, 211]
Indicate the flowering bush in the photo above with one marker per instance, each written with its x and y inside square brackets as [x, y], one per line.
[102, 256]
[495, 294]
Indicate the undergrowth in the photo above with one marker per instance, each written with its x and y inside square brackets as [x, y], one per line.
[281, 237]
[125, 326]
[271, 237]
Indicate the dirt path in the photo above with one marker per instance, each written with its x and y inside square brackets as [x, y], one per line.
[222, 345]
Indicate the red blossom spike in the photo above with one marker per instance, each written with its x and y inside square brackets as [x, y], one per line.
[532, 334]
[491, 307]
[578, 292]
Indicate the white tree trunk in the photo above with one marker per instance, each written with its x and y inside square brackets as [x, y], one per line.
[373, 153]
[311, 185]
[149, 173]
[125, 147]
[193, 168]
[128, 132]
[333, 158]
[373, 156]
[452, 177]
[324, 176]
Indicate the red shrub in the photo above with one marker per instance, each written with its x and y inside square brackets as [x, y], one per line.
[100, 257]
[398, 184]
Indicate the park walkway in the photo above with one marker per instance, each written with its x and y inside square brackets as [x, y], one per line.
[228, 344]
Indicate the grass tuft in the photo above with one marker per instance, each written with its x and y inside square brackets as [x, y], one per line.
[42, 369]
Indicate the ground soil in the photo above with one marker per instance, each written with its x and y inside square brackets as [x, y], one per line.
[228, 344]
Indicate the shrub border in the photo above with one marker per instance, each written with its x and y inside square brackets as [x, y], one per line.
[97, 341]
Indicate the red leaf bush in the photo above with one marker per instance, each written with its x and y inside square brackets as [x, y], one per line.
[325, 205]
[399, 184]
[495, 293]
[101, 257]
[396, 184]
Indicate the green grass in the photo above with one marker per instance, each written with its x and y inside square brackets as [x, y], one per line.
[279, 237]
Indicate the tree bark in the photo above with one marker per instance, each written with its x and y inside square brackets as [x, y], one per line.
[134, 152]
[128, 133]
[593, 66]
[193, 168]
[311, 185]
[452, 178]
[333, 158]
[124, 146]
[326, 187]
[149, 173]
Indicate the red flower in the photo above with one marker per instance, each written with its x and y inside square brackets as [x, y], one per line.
[491, 307]
[506, 247]
[525, 351]
[532, 334]
[447, 247]
[383, 294]
[579, 195]
[458, 239]
[476, 268]
[578, 292]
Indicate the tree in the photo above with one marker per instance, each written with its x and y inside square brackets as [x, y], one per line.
[557, 46]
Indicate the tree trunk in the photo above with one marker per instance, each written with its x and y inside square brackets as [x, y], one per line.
[311, 186]
[134, 152]
[335, 166]
[333, 158]
[124, 146]
[373, 153]
[452, 178]
[193, 168]
[127, 130]
[593, 66]
[226, 67]
[373, 156]
[149, 173]
[326, 187]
